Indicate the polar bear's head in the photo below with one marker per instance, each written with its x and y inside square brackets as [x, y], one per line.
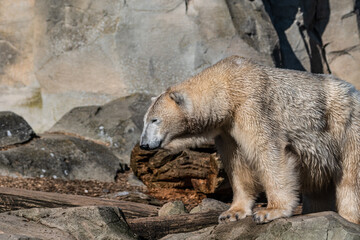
[165, 119]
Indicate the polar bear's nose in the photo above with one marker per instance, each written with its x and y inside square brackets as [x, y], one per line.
[145, 146]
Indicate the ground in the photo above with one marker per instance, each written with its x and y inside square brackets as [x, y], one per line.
[95, 188]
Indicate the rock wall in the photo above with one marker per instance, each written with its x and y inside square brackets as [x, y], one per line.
[59, 54]
[319, 36]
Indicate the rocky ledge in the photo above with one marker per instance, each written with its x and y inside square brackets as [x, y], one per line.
[317, 226]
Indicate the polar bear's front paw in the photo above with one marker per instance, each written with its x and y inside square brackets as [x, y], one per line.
[232, 215]
[267, 215]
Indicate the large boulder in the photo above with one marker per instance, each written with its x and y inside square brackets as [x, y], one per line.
[59, 156]
[69, 223]
[117, 123]
[317, 226]
[14, 130]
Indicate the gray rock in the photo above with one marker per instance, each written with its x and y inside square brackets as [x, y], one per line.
[320, 36]
[317, 226]
[172, 208]
[254, 25]
[14, 129]
[283, 14]
[117, 123]
[70, 223]
[341, 37]
[60, 156]
[135, 182]
[209, 204]
[201, 234]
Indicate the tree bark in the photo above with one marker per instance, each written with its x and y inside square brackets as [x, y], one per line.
[199, 169]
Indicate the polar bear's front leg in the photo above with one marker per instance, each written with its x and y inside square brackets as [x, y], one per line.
[244, 186]
[279, 177]
[181, 143]
[241, 206]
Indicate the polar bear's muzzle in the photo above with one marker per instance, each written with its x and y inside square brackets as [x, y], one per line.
[151, 138]
[149, 145]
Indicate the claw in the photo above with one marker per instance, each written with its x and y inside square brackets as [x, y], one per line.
[232, 215]
[265, 216]
[256, 218]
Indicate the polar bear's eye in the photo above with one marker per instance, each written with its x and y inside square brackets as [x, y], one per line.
[155, 120]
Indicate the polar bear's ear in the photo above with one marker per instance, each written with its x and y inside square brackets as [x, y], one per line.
[181, 99]
[177, 97]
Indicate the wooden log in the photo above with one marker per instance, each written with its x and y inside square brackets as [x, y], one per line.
[157, 227]
[13, 199]
[199, 169]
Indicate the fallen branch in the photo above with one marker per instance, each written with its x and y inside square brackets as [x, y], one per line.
[14, 198]
[157, 227]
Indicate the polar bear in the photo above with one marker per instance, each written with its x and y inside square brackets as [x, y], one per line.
[276, 130]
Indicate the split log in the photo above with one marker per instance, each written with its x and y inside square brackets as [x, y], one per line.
[13, 199]
[199, 169]
[158, 227]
